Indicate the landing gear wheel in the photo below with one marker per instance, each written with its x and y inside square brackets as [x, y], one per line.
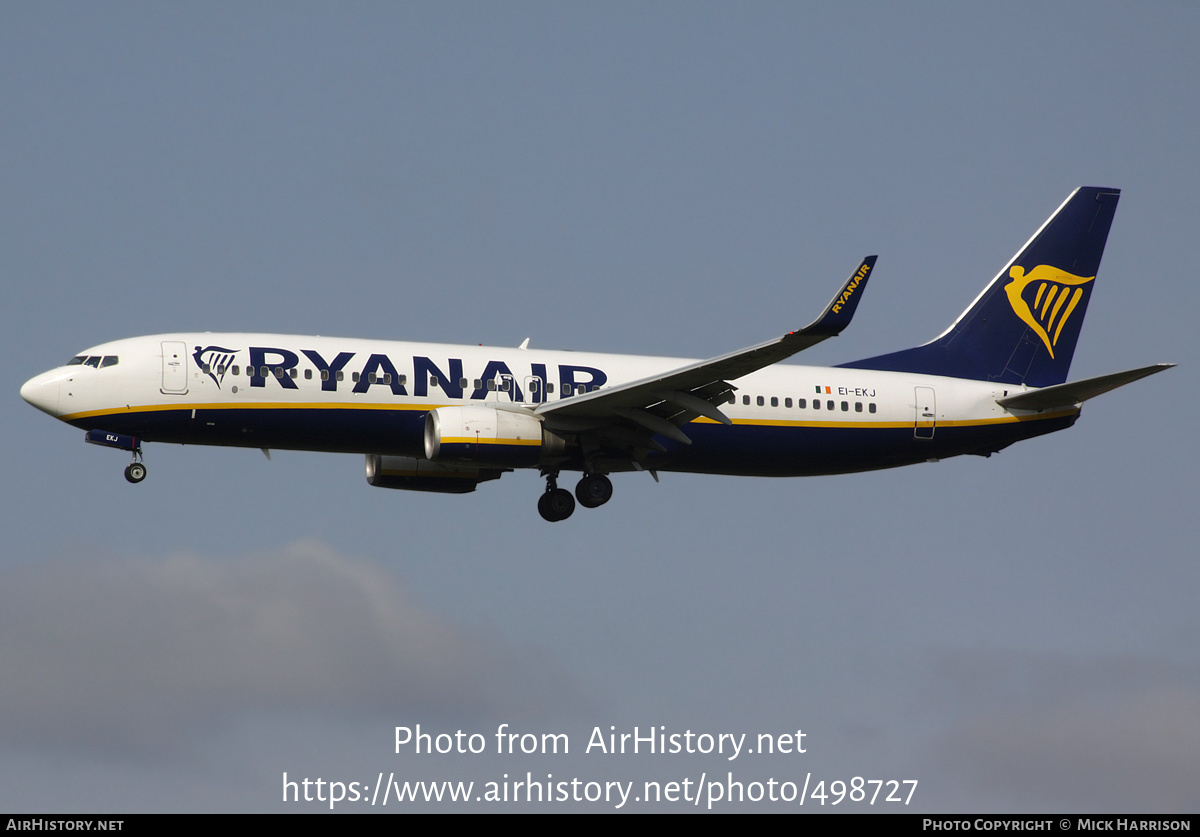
[136, 472]
[556, 504]
[594, 490]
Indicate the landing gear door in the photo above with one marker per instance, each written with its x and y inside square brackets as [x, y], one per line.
[926, 418]
[174, 368]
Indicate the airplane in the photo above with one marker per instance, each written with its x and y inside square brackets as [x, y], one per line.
[445, 418]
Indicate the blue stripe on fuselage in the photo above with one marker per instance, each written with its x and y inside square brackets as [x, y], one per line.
[744, 449]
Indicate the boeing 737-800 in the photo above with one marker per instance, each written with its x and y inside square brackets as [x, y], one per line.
[432, 417]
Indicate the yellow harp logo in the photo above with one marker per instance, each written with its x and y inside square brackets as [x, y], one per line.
[1055, 296]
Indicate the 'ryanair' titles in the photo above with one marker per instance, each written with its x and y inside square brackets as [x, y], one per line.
[859, 277]
[449, 377]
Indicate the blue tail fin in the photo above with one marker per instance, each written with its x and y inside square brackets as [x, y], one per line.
[1023, 328]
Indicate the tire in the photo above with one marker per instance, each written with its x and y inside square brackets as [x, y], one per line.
[594, 490]
[556, 505]
[136, 472]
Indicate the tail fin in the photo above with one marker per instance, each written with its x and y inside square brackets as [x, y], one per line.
[1023, 328]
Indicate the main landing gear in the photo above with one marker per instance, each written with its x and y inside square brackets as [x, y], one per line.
[557, 504]
[593, 490]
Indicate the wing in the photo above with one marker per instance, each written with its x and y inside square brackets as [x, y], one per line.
[629, 415]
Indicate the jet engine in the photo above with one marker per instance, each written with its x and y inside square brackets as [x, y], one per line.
[487, 437]
[413, 474]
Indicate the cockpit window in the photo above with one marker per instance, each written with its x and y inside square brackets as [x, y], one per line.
[95, 361]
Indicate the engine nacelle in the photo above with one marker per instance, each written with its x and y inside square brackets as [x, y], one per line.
[413, 474]
[485, 436]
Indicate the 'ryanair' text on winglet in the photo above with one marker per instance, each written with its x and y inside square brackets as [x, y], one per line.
[840, 311]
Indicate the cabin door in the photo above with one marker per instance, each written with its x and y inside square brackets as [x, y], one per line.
[174, 367]
[926, 418]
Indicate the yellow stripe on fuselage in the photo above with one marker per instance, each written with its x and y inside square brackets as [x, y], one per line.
[750, 422]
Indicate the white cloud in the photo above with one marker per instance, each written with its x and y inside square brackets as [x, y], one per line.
[136, 653]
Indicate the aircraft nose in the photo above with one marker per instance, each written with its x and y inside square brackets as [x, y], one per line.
[42, 392]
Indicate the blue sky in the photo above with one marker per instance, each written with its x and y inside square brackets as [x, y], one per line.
[1016, 633]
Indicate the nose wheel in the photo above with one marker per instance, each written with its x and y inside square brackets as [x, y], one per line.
[135, 472]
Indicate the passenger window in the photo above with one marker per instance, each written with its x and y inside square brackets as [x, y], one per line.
[829, 405]
[759, 401]
[237, 371]
[858, 406]
[478, 383]
[492, 385]
[263, 371]
[308, 374]
[109, 360]
[324, 374]
[433, 380]
[566, 390]
[94, 362]
[787, 402]
[387, 377]
[371, 377]
[355, 376]
[401, 380]
[746, 399]
[871, 407]
[801, 403]
[816, 404]
[504, 385]
[293, 372]
[549, 387]
[341, 376]
[206, 369]
[774, 401]
[845, 407]
[462, 383]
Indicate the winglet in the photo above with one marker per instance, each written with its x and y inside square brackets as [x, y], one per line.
[840, 311]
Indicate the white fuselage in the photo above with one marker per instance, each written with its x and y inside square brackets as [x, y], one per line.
[371, 397]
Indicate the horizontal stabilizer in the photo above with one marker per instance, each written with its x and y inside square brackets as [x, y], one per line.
[1076, 392]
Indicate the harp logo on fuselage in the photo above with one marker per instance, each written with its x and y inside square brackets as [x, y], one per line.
[214, 360]
[1056, 294]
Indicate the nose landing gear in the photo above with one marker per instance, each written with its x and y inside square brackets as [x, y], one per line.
[135, 472]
